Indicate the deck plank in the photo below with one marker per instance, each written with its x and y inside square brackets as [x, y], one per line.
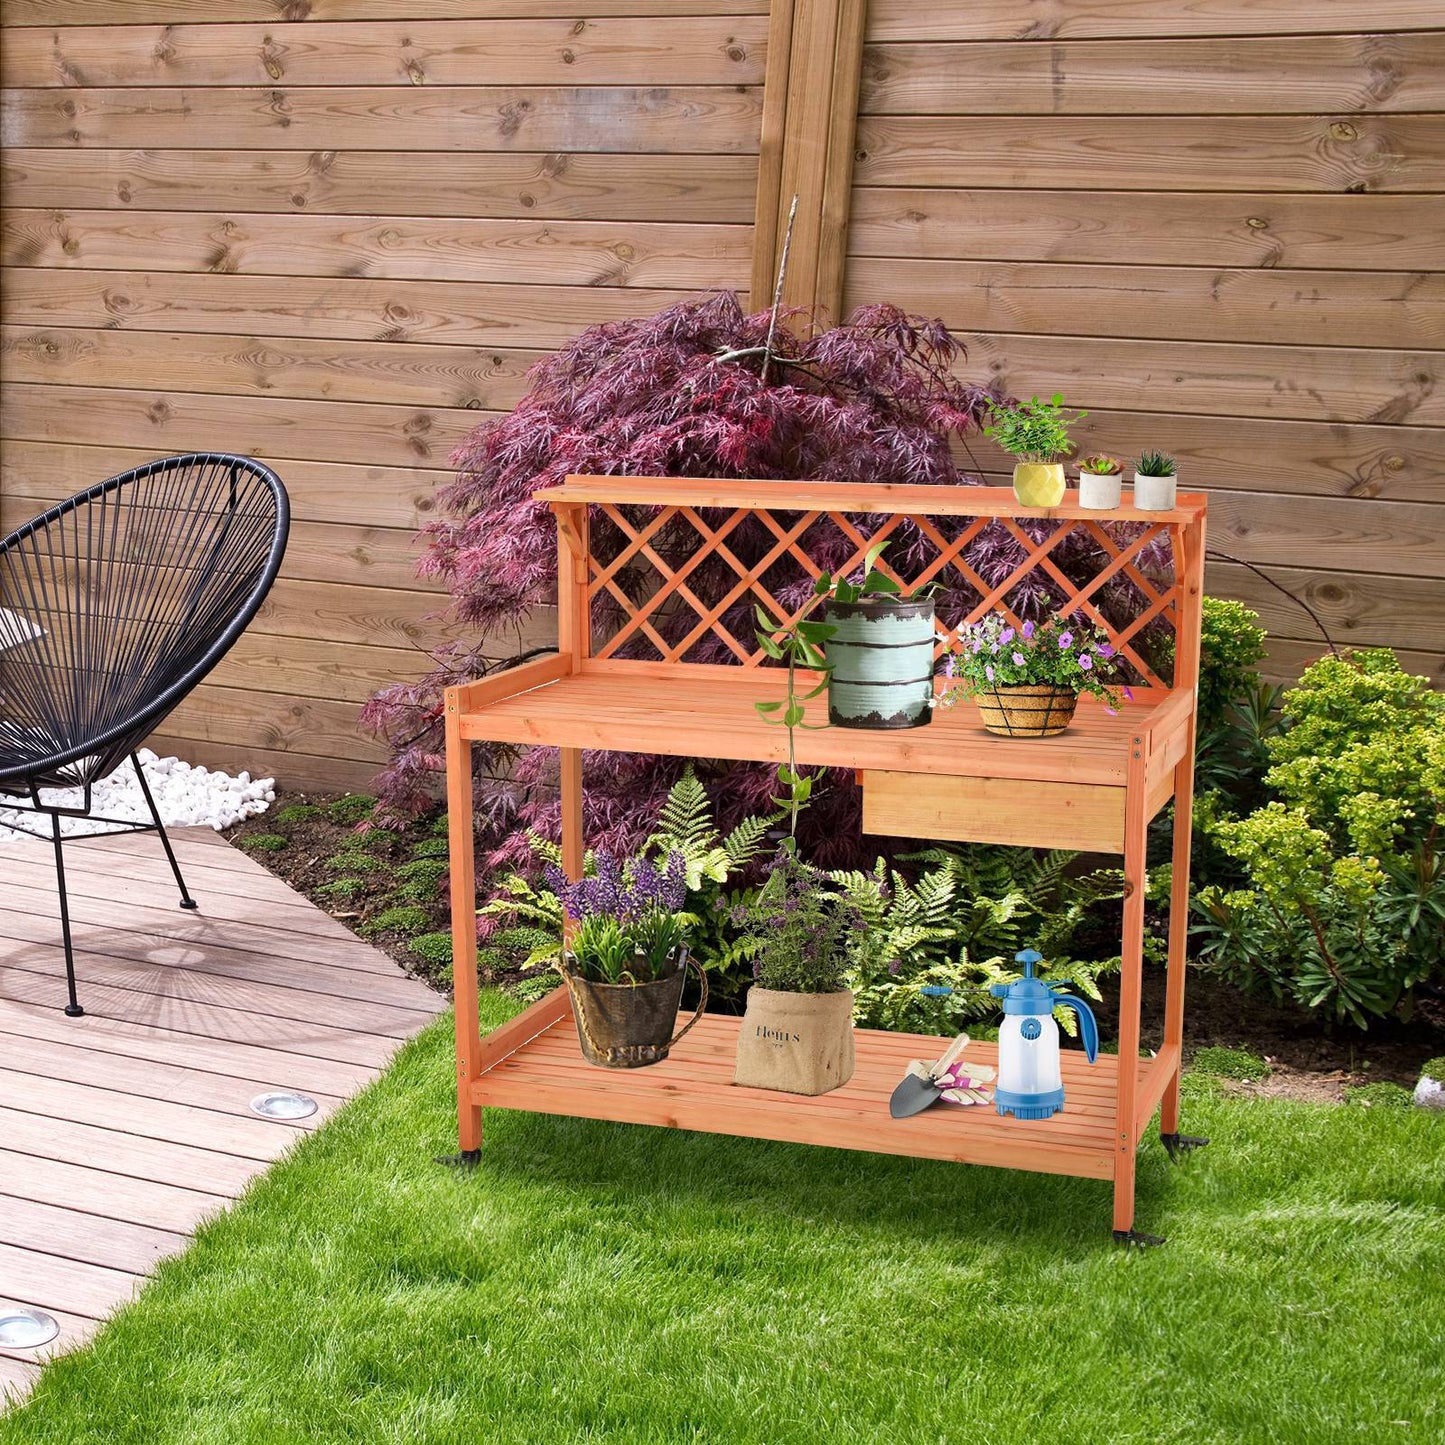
[122, 1130]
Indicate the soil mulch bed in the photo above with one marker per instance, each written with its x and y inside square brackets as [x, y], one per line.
[1309, 1057]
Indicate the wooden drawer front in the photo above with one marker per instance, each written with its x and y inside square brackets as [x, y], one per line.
[1089, 817]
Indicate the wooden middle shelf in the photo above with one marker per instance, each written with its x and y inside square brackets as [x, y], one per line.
[534, 1063]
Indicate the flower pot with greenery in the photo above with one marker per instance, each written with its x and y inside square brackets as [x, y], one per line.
[1037, 434]
[800, 933]
[1155, 483]
[1026, 678]
[1101, 481]
[624, 958]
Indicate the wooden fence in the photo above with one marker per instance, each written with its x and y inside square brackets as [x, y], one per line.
[334, 234]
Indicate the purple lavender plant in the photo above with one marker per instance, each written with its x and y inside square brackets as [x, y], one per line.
[628, 915]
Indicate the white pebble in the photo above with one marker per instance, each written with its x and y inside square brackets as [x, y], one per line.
[1430, 1093]
[185, 796]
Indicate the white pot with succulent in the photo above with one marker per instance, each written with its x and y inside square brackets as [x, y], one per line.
[1155, 483]
[1101, 482]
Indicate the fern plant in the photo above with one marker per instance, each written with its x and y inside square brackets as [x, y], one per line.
[933, 946]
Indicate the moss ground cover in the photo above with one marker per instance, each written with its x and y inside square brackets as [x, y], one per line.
[597, 1282]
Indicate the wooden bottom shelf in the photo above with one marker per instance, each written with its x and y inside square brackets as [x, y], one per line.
[534, 1063]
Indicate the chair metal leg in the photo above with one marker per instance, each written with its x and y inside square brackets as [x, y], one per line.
[73, 1008]
[186, 900]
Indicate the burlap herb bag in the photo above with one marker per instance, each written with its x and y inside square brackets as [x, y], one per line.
[799, 1043]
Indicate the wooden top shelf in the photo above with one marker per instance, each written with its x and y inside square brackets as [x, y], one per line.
[707, 712]
[960, 501]
[535, 1064]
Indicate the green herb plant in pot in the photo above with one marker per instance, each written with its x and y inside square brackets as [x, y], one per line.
[1026, 677]
[801, 935]
[1036, 433]
[1155, 483]
[1101, 480]
[624, 958]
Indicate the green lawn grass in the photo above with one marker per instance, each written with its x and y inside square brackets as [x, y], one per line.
[603, 1282]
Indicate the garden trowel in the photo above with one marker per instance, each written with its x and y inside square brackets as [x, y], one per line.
[922, 1083]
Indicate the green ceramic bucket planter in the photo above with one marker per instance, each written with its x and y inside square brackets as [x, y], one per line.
[882, 663]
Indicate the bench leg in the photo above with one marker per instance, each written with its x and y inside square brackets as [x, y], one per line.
[1131, 975]
[572, 849]
[461, 836]
[1178, 932]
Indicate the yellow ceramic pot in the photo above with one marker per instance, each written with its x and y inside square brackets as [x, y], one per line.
[1039, 484]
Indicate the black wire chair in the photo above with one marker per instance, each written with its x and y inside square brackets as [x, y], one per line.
[113, 606]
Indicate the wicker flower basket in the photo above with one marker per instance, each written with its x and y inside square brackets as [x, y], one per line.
[1027, 710]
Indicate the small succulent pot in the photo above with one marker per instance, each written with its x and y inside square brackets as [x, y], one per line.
[881, 663]
[798, 1043]
[1027, 710]
[1100, 491]
[1039, 484]
[630, 1025]
[1155, 494]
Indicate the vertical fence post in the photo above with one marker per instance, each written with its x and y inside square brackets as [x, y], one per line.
[810, 111]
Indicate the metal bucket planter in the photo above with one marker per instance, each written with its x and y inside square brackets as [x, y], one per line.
[881, 658]
[1027, 710]
[630, 1025]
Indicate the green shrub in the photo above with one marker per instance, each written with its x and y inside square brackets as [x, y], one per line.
[354, 861]
[1341, 900]
[1237, 1064]
[297, 813]
[1379, 1096]
[1435, 1069]
[344, 889]
[1231, 649]
[431, 848]
[352, 808]
[397, 920]
[434, 948]
[264, 843]
[418, 880]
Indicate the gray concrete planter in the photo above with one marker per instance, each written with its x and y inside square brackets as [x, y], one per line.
[882, 663]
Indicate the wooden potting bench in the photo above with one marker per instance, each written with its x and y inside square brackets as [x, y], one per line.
[624, 580]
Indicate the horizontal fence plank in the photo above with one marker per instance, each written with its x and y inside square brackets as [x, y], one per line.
[1388, 610]
[478, 378]
[317, 667]
[1398, 539]
[332, 551]
[353, 308]
[1119, 153]
[476, 119]
[279, 721]
[1244, 453]
[1353, 308]
[172, 422]
[571, 253]
[557, 185]
[1234, 76]
[1080, 19]
[622, 50]
[163, 12]
[320, 491]
[1207, 379]
[1368, 232]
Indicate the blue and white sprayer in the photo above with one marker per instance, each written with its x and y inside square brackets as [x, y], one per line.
[1030, 1085]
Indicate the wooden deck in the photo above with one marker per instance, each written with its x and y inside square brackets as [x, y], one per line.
[121, 1130]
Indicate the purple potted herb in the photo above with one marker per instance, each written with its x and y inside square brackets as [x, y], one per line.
[624, 957]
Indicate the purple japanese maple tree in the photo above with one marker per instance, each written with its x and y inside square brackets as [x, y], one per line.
[701, 390]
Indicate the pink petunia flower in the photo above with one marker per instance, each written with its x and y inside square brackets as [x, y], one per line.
[1007, 635]
[1066, 641]
[1018, 659]
[1085, 661]
[988, 671]
[1106, 649]
[1129, 693]
[1028, 630]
